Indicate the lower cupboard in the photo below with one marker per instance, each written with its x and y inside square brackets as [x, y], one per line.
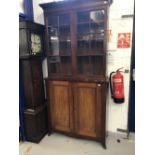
[77, 108]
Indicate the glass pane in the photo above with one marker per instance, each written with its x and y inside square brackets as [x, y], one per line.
[59, 34]
[97, 27]
[97, 67]
[54, 64]
[97, 16]
[59, 65]
[83, 16]
[83, 28]
[90, 42]
[65, 47]
[90, 31]
[97, 43]
[66, 65]
[83, 43]
[64, 25]
[36, 43]
[64, 19]
[84, 65]
[53, 20]
[64, 30]
[90, 16]
[53, 41]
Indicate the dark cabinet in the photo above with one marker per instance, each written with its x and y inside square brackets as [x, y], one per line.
[31, 39]
[33, 82]
[35, 123]
[31, 54]
[76, 41]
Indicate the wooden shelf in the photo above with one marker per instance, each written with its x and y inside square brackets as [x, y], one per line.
[57, 26]
[90, 22]
[91, 54]
[60, 55]
[79, 78]
[64, 25]
[89, 33]
[90, 40]
[65, 40]
[61, 41]
[64, 55]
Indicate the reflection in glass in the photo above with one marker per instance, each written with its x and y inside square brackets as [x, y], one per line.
[54, 41]
[97, 16]
[91, 16]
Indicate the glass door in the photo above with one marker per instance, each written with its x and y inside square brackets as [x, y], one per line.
[59, 51]
[90, 42]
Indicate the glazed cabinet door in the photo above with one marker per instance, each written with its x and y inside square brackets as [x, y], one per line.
[91, 42]
[60, 106]
[59, 43]
[87, 109]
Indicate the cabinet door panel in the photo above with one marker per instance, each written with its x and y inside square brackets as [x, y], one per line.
[61, 105]
[87, 110]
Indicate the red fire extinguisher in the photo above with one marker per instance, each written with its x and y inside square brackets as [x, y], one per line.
[117, 86]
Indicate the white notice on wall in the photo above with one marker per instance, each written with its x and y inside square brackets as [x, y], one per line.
[110, 57]
[115, 57]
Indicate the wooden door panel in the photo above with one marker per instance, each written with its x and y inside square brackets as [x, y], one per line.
[87, 110]
[61, 105]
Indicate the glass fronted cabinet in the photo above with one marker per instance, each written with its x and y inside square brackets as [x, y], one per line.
[77, 41]
[76, 86]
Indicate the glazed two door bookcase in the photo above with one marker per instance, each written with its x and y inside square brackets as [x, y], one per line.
[76, 41]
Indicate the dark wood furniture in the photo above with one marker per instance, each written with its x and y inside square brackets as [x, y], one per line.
[31, 52]
[31, 41]
[76, 40]
[35, 123]
[33, 83]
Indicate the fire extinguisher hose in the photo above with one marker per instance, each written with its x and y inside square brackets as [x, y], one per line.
[110, 81]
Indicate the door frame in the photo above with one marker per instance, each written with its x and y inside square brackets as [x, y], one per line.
[131, 108]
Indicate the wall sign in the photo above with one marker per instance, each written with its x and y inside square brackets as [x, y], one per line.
[124, 40]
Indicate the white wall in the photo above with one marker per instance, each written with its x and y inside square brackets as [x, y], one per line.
[21, 6]
[116, 114]
[39, 18]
